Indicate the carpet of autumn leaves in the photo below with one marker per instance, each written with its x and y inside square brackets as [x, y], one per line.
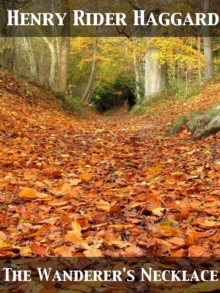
[104, 186]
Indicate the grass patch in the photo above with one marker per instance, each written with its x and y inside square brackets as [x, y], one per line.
[168, 97]
[75, 104]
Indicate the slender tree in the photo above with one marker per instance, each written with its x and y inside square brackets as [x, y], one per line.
[64, 49]
[87, 94]
[136, 70]
[207, 41]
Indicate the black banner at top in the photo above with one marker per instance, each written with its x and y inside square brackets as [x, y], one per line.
[108, 18]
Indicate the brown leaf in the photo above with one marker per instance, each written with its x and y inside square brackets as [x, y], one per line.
[65, 251]
[38, 249]
[196, 251]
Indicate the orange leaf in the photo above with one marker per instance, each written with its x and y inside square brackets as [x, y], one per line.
[205, 223]
[177, 242]
[66, 188]
[38, 249]
[154, 171]
[133, 251]
[75, 182]
[159, 211]
[196, 251]
[86, 177]
[27, 192]
[65, 251]
[93, 252]
[99, 183]
[76, 229]
[2, 236]
[167, 230]
[70, 236]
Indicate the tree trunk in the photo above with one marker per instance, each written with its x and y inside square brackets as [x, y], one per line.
[155, 74]
[26, 43]
[53, 63]
[8, 53]
[86, 96]
[64, 49]
[208, 56]
[8, 48]
[136, 71]
[199, 60]
[208, 50]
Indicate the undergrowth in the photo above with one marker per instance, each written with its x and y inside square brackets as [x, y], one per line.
[75, 104]
[168, 97]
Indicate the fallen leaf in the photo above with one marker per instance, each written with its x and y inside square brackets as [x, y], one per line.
[28, 193]
[86, 177]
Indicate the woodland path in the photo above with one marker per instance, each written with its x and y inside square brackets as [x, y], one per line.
[106, 186]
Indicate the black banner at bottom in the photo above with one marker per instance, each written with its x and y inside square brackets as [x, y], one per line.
[106, 275]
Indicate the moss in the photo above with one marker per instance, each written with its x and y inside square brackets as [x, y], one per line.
[201, 123]
[177, 125]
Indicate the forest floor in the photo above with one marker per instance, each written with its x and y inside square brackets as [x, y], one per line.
[104, 186]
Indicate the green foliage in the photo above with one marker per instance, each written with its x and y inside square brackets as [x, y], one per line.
[217, 65]
[141, 85]
[4, 206]
[141, 107]
[167, 223]
[114, 62]
[112, 94]
[175, 92]
[103, 95]
[24, 222]
[75, 104]
[194, 88]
